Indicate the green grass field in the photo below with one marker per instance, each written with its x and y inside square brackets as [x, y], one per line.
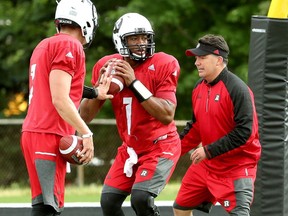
[90, 193]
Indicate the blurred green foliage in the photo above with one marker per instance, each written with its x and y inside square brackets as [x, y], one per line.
[177, 24]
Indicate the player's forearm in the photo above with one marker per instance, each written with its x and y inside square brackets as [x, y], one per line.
[89, 109]
[160, 109]
[67, 110]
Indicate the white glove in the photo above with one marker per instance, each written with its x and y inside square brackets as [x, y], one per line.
[129, 163]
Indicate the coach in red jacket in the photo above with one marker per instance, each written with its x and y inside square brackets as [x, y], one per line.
[225, 123]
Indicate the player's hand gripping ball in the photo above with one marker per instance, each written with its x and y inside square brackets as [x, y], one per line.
[117, 83]
[69, 147]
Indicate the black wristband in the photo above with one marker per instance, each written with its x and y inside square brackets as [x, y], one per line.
[140, 91]
[89, 92]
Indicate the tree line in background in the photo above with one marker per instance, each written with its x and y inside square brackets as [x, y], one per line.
[177, 25]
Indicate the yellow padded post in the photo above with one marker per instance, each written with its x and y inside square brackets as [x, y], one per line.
[278, 9]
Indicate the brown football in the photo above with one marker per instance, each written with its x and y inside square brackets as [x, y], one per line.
[69, 147]
[117, 83]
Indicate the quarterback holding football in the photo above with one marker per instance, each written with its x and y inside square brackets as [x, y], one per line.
[144, 110]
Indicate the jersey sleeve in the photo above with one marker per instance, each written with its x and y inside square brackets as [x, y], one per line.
[66, 57]
[168, 78]
[95, 73]
[97, 67]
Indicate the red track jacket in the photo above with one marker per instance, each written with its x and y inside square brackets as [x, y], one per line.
[224, 120]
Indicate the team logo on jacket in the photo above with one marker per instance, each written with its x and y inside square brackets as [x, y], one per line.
[217, 97]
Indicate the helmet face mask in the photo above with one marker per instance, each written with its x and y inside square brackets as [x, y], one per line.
[81, 13]
[133, 24]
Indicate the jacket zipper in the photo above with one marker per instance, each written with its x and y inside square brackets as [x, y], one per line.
[207, 100]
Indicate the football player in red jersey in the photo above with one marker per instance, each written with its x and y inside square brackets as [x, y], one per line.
[144, 112]
[56, 80]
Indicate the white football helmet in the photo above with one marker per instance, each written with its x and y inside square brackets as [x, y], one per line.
[82, 13]
[133, 24]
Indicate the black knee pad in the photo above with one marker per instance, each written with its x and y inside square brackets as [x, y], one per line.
[143, 203]
[111, 204]
[43, 210]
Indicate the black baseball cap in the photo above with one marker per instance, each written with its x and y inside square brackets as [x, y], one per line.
[206, 49]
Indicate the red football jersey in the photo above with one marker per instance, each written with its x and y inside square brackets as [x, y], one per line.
[61, 52]
[137, 128]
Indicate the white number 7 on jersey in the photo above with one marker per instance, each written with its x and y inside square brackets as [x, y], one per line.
[128, 101]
